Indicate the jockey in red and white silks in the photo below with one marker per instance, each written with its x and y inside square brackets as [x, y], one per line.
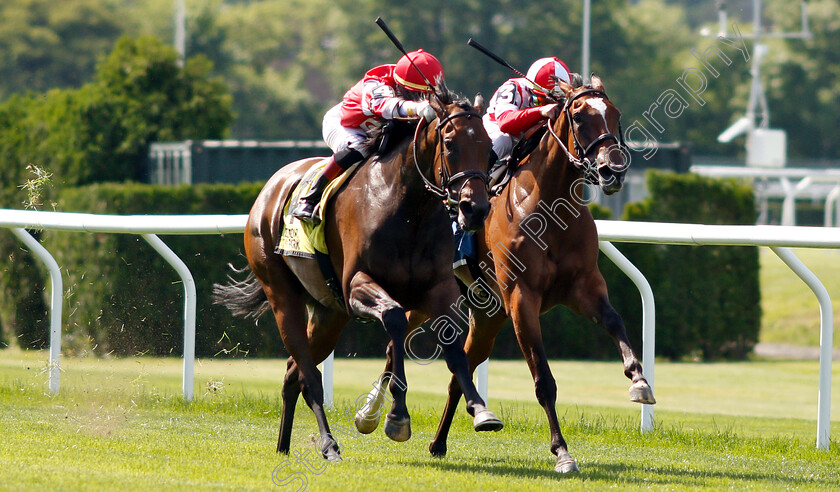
[518, 105]
[365, 107]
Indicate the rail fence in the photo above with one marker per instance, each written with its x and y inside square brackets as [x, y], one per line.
[777, 238]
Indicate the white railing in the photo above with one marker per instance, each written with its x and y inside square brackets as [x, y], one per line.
[778, 238]
[788, 183]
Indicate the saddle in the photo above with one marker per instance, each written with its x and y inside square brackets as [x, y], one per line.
[503, 170]
[304, 240]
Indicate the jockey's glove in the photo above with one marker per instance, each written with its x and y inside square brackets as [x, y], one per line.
[550, 111]
[419, 108]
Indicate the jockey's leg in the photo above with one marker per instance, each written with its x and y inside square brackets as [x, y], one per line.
[337, 164]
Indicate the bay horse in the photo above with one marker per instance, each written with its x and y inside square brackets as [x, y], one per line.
[543, 243]
[390, 244]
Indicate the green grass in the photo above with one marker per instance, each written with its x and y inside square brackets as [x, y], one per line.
[790, 312]
[121, 424]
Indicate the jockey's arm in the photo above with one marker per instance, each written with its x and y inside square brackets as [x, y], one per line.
[514, 122]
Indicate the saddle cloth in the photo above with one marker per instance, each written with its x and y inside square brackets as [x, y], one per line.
[302, 239]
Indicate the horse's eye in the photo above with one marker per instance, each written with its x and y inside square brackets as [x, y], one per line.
[448, 143]
[576, 117]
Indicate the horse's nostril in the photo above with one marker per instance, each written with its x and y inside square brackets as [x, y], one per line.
[480, 210]
[466, 208]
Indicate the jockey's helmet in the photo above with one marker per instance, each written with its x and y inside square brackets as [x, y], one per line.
[407, 76]
[545, 72]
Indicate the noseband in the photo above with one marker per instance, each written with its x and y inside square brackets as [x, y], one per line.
[447, 180]
[582, 160]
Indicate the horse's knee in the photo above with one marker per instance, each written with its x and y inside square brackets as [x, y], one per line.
[611, 320]
[395, 324]
[546, 390]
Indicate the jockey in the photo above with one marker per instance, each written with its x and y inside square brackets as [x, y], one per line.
[384, 93]
[518, 105]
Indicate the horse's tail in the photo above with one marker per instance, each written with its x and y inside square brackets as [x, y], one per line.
[245, 298]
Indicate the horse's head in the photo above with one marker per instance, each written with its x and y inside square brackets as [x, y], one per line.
[462, 153]
[595, 134]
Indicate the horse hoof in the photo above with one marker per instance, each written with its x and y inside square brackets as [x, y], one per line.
[566, 466]
[640, 392]
[366, 424]
[486, 420]
[398, 430]
[437, 451]
[332, 455]
[331, 452]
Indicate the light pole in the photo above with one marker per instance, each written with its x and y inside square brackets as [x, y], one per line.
[587, 19]
[765, 147]
[180, 30]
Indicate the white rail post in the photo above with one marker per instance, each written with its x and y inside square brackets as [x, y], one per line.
[482, 380]
[189, 311]
[648, 322]
[327, 379]
[830, 204]
[826, 340]
[57, 288]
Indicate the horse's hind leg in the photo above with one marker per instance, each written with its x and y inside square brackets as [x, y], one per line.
[323, 329]
[291, 392]
[369, 299]
[290, 313]
[479, 344]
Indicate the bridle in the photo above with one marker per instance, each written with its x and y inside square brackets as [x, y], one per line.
[582, 160]
[447, 180]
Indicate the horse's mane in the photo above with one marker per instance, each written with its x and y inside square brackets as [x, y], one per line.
[399, 130]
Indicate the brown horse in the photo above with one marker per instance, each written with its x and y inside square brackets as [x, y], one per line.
[390, 243]
[543, 243]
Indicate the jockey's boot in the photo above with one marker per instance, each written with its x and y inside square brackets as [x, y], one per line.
[305, 208]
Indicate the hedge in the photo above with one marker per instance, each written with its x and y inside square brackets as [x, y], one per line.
[122, 298]
[707, 298]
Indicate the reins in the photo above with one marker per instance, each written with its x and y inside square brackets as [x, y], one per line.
[444, 191]
[585, 164]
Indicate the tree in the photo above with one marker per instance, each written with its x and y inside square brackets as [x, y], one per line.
[99, 132]
[46, 44]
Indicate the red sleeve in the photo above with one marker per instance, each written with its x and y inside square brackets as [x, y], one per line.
[516, 122]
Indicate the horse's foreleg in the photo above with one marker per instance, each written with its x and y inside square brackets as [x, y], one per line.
[478, 346]
[368, 416]
[640, 390]
[525, 309]
[593, 302]
[367, 298]
[444, 323]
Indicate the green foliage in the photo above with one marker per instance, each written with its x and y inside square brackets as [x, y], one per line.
[707, 297]
[46, 44]
[287, 61]
[99, 132]
[124, 298]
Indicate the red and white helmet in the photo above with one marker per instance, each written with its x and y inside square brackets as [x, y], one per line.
[544, 70]
[407, 76]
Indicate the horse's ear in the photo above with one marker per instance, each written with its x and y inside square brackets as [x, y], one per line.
[478, 104]
[437, 105]
[566, 88]
[596, 82]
